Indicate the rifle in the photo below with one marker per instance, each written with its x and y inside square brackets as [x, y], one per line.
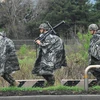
[50, 31]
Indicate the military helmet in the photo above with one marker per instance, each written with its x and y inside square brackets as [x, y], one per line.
[93, 27]
[44, 26]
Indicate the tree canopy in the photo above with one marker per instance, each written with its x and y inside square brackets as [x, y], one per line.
[21, 18]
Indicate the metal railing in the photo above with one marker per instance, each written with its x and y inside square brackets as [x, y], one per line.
[19, 43]
[86, 75]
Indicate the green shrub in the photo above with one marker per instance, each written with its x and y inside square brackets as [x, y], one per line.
[84, 40]
[26, 57]
[23, 50]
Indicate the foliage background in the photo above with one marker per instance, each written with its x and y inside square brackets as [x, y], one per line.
[21, 18]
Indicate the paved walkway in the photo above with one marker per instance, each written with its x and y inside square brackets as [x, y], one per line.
[53, 97]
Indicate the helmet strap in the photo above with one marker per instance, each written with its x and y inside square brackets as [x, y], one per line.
[94, 32]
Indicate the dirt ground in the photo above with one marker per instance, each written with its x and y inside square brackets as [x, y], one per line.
[25, 93]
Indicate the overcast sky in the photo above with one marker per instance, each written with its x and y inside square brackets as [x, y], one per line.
[92, 1]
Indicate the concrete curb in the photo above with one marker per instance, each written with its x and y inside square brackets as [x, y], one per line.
[53, 97]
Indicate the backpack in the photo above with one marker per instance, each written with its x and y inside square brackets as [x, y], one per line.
[95, 49]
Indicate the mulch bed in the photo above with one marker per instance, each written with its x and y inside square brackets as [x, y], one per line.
[24, 93]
